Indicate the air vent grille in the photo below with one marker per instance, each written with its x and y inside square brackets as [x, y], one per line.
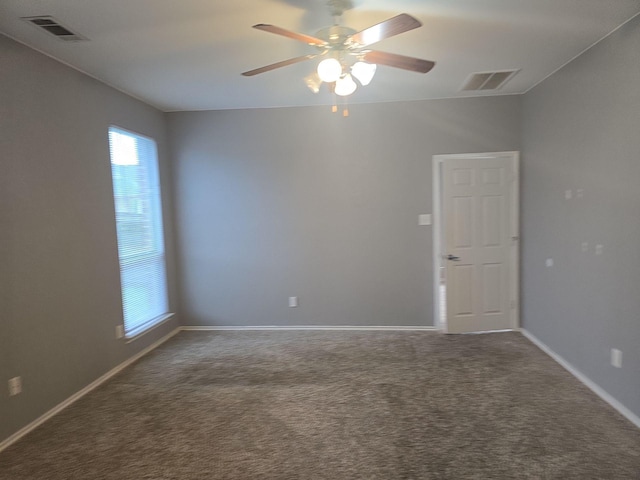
[484, 81]
[54, 27]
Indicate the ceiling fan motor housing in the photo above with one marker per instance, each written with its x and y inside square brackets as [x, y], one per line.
[335, 35]
[337, 46]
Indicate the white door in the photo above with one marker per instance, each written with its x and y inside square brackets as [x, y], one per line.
[479, 242]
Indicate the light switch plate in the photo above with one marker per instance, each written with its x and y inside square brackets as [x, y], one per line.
[616, 358]
[424, 219]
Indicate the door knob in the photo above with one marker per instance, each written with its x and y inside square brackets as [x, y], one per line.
[453, 258]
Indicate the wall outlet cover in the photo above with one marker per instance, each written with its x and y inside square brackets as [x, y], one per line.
[15, 386]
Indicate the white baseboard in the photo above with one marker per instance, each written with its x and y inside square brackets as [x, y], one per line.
[595, 388]
[405, 328]
[76, 396]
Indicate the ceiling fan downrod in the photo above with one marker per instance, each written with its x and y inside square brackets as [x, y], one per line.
[338, 7]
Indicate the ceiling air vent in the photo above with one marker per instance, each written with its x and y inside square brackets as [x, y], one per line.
[54, 27]
[488, 80]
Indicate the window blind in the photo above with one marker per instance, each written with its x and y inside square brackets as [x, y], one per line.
[136, 192]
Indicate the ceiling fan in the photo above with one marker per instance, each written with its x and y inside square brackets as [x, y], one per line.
[346, 53]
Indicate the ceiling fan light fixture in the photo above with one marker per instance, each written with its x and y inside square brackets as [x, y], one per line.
[345, 86]
[329, 70]
[364, 72]
[346, 53]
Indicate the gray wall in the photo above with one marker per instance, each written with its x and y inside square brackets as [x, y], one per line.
[302, 202]
[59, 277]
[582, 131]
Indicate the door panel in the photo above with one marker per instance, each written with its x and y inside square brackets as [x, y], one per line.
[492, 288]
[463, 222]
[462, 292]
[491, 225]
[492, 176]
[463, 176]
[476, 211]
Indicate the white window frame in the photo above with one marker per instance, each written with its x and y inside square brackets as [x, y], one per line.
[143, 273]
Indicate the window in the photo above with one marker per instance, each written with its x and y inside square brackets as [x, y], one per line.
[136, 192]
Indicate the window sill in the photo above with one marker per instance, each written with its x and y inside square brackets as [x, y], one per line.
[148, 327]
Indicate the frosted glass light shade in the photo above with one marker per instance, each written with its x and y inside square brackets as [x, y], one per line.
[345, 86]
[363, 72]
[313, 82]
[329, 70]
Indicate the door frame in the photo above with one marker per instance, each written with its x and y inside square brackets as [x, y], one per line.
[514, 268]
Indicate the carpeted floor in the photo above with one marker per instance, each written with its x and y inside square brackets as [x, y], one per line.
[334, 405]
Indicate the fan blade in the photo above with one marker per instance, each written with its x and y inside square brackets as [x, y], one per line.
[399, 61]
[316, 42]
[394, 26]
[273, 66]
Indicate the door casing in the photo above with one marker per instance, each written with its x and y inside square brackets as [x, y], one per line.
[438, 244]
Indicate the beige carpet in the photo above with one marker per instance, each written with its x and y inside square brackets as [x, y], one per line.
[334, 405]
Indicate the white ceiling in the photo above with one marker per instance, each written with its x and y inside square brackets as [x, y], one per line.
[188, 55]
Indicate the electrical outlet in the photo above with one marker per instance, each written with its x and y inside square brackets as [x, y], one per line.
[119, 331]
[585, 246]
[616, 358]
[293, 301]
[549, 262]
[15, 386]
[599, 249]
